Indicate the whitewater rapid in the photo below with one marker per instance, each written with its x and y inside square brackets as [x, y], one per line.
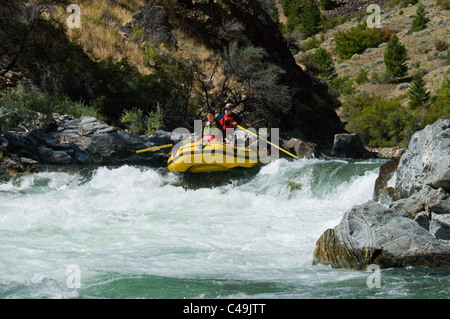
[133, 222]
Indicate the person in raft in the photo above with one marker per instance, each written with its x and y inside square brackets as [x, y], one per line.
[229, 120]
[211, 129]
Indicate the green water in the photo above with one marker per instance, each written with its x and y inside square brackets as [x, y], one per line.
[134, 232]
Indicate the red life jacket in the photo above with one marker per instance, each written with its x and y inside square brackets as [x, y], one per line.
[227, 122]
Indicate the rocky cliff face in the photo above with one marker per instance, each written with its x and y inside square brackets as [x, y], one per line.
[414, 229]
[218, 23]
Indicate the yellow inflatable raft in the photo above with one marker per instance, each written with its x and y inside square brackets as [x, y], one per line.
[199, 157]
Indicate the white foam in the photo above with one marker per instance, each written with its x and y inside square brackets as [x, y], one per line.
[133, 220]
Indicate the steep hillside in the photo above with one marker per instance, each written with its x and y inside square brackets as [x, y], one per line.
[422, 52]
[182, 56]
[218, 24]
[374, 104]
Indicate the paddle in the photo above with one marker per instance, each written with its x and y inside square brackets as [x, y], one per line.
[268, 142]
[154, 148]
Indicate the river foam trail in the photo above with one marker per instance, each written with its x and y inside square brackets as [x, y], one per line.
[141, 232]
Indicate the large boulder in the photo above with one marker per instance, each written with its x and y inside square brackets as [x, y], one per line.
[121, 147]
[350, 146]
[374, 234]
[414, 228]
[80, 141]
[300, 148]
[426, 161]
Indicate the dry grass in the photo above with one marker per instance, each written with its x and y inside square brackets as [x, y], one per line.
[422, 52]
[99, 35]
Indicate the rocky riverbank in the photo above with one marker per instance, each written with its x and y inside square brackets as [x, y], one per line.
[411, 228]
[65, 140]
[55, 139]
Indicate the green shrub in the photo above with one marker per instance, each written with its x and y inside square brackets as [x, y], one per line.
[362, 76]
[440, 109]
[139, 124]
[379, 122]
[28, 104]
[357, 40]
[321, 63]
[332, 22]
[311, 43]
[155, 120]
[444, 4]
[342, 86]
[292, 10]
[134, 120]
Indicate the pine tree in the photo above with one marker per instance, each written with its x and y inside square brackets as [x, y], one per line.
[291, 7]
[310, 18]
[322, 64]
[418, 94]
[292, 10]
[420, 20]
[395, 58]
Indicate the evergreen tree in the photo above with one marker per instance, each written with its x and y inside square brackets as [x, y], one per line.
[292, 10]
[291, 7]
[395, 58]
[418, 94]
[310, 18]
[420, 20]
[322, 64]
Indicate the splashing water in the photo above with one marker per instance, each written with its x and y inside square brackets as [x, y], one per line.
[137, 232]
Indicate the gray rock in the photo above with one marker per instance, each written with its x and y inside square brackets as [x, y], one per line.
[20, 144]
[50, 156]
[350, 146]
[28, 161]
[414, 230]
[85, 126]
[300, 148]
[121, 148]
[440, 206]
[426, 161]
[440, 226]
[3, 143]
[442, 179]
[423, 220]
[373, 234]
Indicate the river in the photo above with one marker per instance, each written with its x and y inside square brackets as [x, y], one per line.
[139, 232]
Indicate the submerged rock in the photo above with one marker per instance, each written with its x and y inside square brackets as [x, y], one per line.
[414, 229]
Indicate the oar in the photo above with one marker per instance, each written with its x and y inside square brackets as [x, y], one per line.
[290, 154]
[154, 148]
